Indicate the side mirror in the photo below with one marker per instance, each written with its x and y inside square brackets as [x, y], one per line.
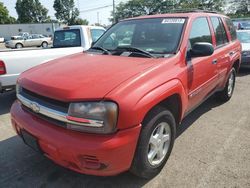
[201, 49]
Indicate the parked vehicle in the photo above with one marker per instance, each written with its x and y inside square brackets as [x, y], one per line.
[34, 40]
[244, 37]
[67, 41]
[1, 39]
[116, 107]
[244, 25]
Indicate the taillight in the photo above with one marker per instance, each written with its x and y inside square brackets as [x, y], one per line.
[2, 68]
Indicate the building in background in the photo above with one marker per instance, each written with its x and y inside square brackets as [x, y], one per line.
[47, 29]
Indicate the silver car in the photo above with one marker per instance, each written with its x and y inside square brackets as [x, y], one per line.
[34, 40]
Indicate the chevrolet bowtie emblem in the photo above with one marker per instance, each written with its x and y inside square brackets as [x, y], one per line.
[35, 107]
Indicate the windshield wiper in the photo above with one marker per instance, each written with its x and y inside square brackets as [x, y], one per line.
[105, 51]
[134, 49]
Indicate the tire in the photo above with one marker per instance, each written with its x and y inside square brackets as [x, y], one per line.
[18, 45]
[45, 45]
[144, 164]
[226, 94]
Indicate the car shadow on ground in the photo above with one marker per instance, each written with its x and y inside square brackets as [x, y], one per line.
[188, 121]
[22, 167]
[243, 72]
[6, 100]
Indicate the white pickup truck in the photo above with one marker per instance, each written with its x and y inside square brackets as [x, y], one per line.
[67, 41]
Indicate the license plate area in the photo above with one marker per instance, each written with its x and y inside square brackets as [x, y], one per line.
[31, 141]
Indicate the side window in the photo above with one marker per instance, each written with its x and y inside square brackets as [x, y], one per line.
[200, 31]
[220, 32]
[231, 28]
[96, 33]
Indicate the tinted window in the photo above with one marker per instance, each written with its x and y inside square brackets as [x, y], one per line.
[220, 32]
[156, 35]
[200, 31]
[231, 28]
[67, 38]
[34, 36]
[96, 33]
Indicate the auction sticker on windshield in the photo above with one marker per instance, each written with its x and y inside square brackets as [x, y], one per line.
[173, 20]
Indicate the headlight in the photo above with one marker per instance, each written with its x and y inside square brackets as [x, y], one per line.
[96, 117]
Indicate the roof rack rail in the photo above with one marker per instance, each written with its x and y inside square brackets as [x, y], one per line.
[191, 10]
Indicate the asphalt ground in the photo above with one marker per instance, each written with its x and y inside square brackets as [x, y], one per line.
[2, 46]
[212, 150]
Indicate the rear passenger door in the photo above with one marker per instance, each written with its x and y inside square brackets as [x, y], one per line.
[222, 49]
[202, 71]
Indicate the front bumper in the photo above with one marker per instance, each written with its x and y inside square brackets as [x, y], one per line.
[101, 155]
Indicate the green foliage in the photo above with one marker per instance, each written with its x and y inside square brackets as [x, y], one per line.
[134, 8]
[80, 21]
[239, 8]
[5, 18]
[67, 13]
[31, 11]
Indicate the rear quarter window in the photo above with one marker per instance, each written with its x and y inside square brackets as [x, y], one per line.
[220, 32]
[231, 28]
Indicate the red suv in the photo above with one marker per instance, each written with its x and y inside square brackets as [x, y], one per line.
[116, 107]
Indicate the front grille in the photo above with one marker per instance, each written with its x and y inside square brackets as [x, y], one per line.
[45, 101]
[43, 117]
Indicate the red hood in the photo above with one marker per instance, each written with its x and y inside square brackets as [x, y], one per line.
[82, 76]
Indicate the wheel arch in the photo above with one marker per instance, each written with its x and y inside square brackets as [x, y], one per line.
[171, 95]
[236, 65]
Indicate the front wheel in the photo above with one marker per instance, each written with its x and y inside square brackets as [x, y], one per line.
[227, 92]
[45, 45]
[155, 143]
[18, 46]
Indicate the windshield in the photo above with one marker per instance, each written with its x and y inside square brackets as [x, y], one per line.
[156, 36]
[244, 37]
[67, 38]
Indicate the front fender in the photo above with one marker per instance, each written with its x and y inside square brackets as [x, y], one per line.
[136, 114]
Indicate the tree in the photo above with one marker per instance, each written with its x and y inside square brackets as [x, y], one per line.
[5, 18]
[239, 8]
[31, 11]
[67, 13]
[80, 21]
[134, 8]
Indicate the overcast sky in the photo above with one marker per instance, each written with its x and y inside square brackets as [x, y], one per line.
[83, 5]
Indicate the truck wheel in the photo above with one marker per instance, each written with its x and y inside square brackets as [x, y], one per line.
[45, 45]
[155, 143]
[227, 92]
[19, 45]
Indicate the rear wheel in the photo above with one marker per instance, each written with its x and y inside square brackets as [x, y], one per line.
[155, 143]
[19, 45]
[227, 92]
[44, 44]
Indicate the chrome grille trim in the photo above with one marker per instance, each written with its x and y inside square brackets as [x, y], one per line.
[54, 114]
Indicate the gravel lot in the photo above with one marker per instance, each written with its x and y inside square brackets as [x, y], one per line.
[212, 150]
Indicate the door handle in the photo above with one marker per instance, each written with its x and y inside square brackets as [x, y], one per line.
[214, 62]
[231, 53]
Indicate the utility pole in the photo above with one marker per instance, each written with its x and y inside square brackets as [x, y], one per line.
[98, 20]
[114, 17]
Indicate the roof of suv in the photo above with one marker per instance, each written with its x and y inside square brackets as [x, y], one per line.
[180, 14]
